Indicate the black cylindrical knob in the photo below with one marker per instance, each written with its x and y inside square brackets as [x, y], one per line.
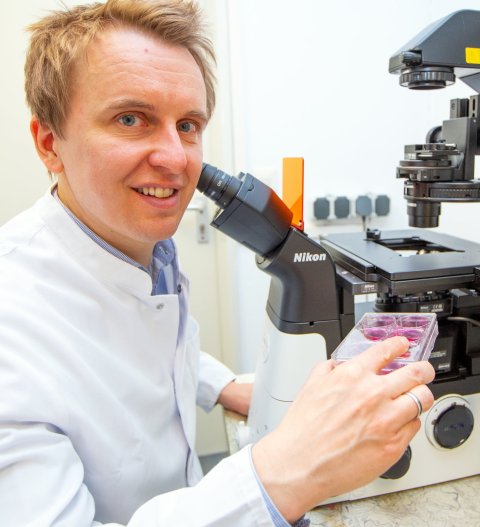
[423, 214]
[453, 426]
[401, 466]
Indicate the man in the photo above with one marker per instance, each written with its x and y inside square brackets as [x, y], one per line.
[99, 363]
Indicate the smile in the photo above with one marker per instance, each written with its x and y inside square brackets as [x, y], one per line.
[155, 191]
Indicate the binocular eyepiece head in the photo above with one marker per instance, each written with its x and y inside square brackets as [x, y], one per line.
[249, 211]
[220, 187]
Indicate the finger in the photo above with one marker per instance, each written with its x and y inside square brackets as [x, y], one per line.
[408, 377]
[405, 407]
[381, 354]
[408, 430]
[399, 441]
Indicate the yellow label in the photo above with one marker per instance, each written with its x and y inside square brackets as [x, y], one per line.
[472, 55]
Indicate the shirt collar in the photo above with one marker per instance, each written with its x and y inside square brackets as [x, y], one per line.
[163, 251]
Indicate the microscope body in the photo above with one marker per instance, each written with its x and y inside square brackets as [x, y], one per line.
[306, 317]
[303, 326]
[311, 307]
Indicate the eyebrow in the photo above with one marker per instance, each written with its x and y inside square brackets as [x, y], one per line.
[124, 104]
[199, 115]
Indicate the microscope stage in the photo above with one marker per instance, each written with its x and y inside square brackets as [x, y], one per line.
[407, 260]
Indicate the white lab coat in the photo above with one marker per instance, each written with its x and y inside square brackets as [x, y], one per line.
[94, 425]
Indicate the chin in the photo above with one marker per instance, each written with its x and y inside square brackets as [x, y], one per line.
[156, 235]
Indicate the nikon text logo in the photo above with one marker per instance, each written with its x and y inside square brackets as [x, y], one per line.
[308, 257]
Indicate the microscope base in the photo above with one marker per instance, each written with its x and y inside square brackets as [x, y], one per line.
[431, 463]
[284, 363]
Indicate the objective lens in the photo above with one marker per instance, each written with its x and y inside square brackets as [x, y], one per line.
[217, 185]
[423, 214]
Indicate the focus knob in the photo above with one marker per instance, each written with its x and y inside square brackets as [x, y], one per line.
[453, 426]
[401, 466]
[450, 422]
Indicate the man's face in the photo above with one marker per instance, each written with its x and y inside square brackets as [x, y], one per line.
[131, 151]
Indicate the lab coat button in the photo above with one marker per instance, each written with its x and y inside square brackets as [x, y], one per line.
[179, 288]
[160, 306]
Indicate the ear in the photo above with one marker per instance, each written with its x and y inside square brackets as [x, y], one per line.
[44, 138]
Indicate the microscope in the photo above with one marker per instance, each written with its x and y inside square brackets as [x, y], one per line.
[311, 303]
[442, 169]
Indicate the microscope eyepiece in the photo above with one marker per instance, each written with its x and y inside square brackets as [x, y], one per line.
[220, 187]
[249, 211]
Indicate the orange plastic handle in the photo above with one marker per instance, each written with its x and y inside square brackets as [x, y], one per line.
[293, 189]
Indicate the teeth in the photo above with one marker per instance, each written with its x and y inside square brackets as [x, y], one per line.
[157, 192]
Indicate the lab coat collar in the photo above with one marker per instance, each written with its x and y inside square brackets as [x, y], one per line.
[92, 256]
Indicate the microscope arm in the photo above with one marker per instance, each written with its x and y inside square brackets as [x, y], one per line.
[303, 295]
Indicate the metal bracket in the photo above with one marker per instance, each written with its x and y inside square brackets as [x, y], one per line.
[199, 206]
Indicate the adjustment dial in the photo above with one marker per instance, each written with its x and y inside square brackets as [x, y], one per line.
[449, 422]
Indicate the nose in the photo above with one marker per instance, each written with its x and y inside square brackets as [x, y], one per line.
[168, 151]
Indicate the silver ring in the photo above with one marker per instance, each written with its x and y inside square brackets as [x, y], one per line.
[417, 401]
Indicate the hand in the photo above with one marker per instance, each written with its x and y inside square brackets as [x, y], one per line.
[347, 426]
[236, 397]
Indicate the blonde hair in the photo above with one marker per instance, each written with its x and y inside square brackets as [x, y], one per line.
[58, 40]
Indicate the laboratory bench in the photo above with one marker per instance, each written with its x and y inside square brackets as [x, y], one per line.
[452, 504]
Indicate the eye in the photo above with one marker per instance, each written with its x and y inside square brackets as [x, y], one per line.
[188, 127]
[130, 119]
